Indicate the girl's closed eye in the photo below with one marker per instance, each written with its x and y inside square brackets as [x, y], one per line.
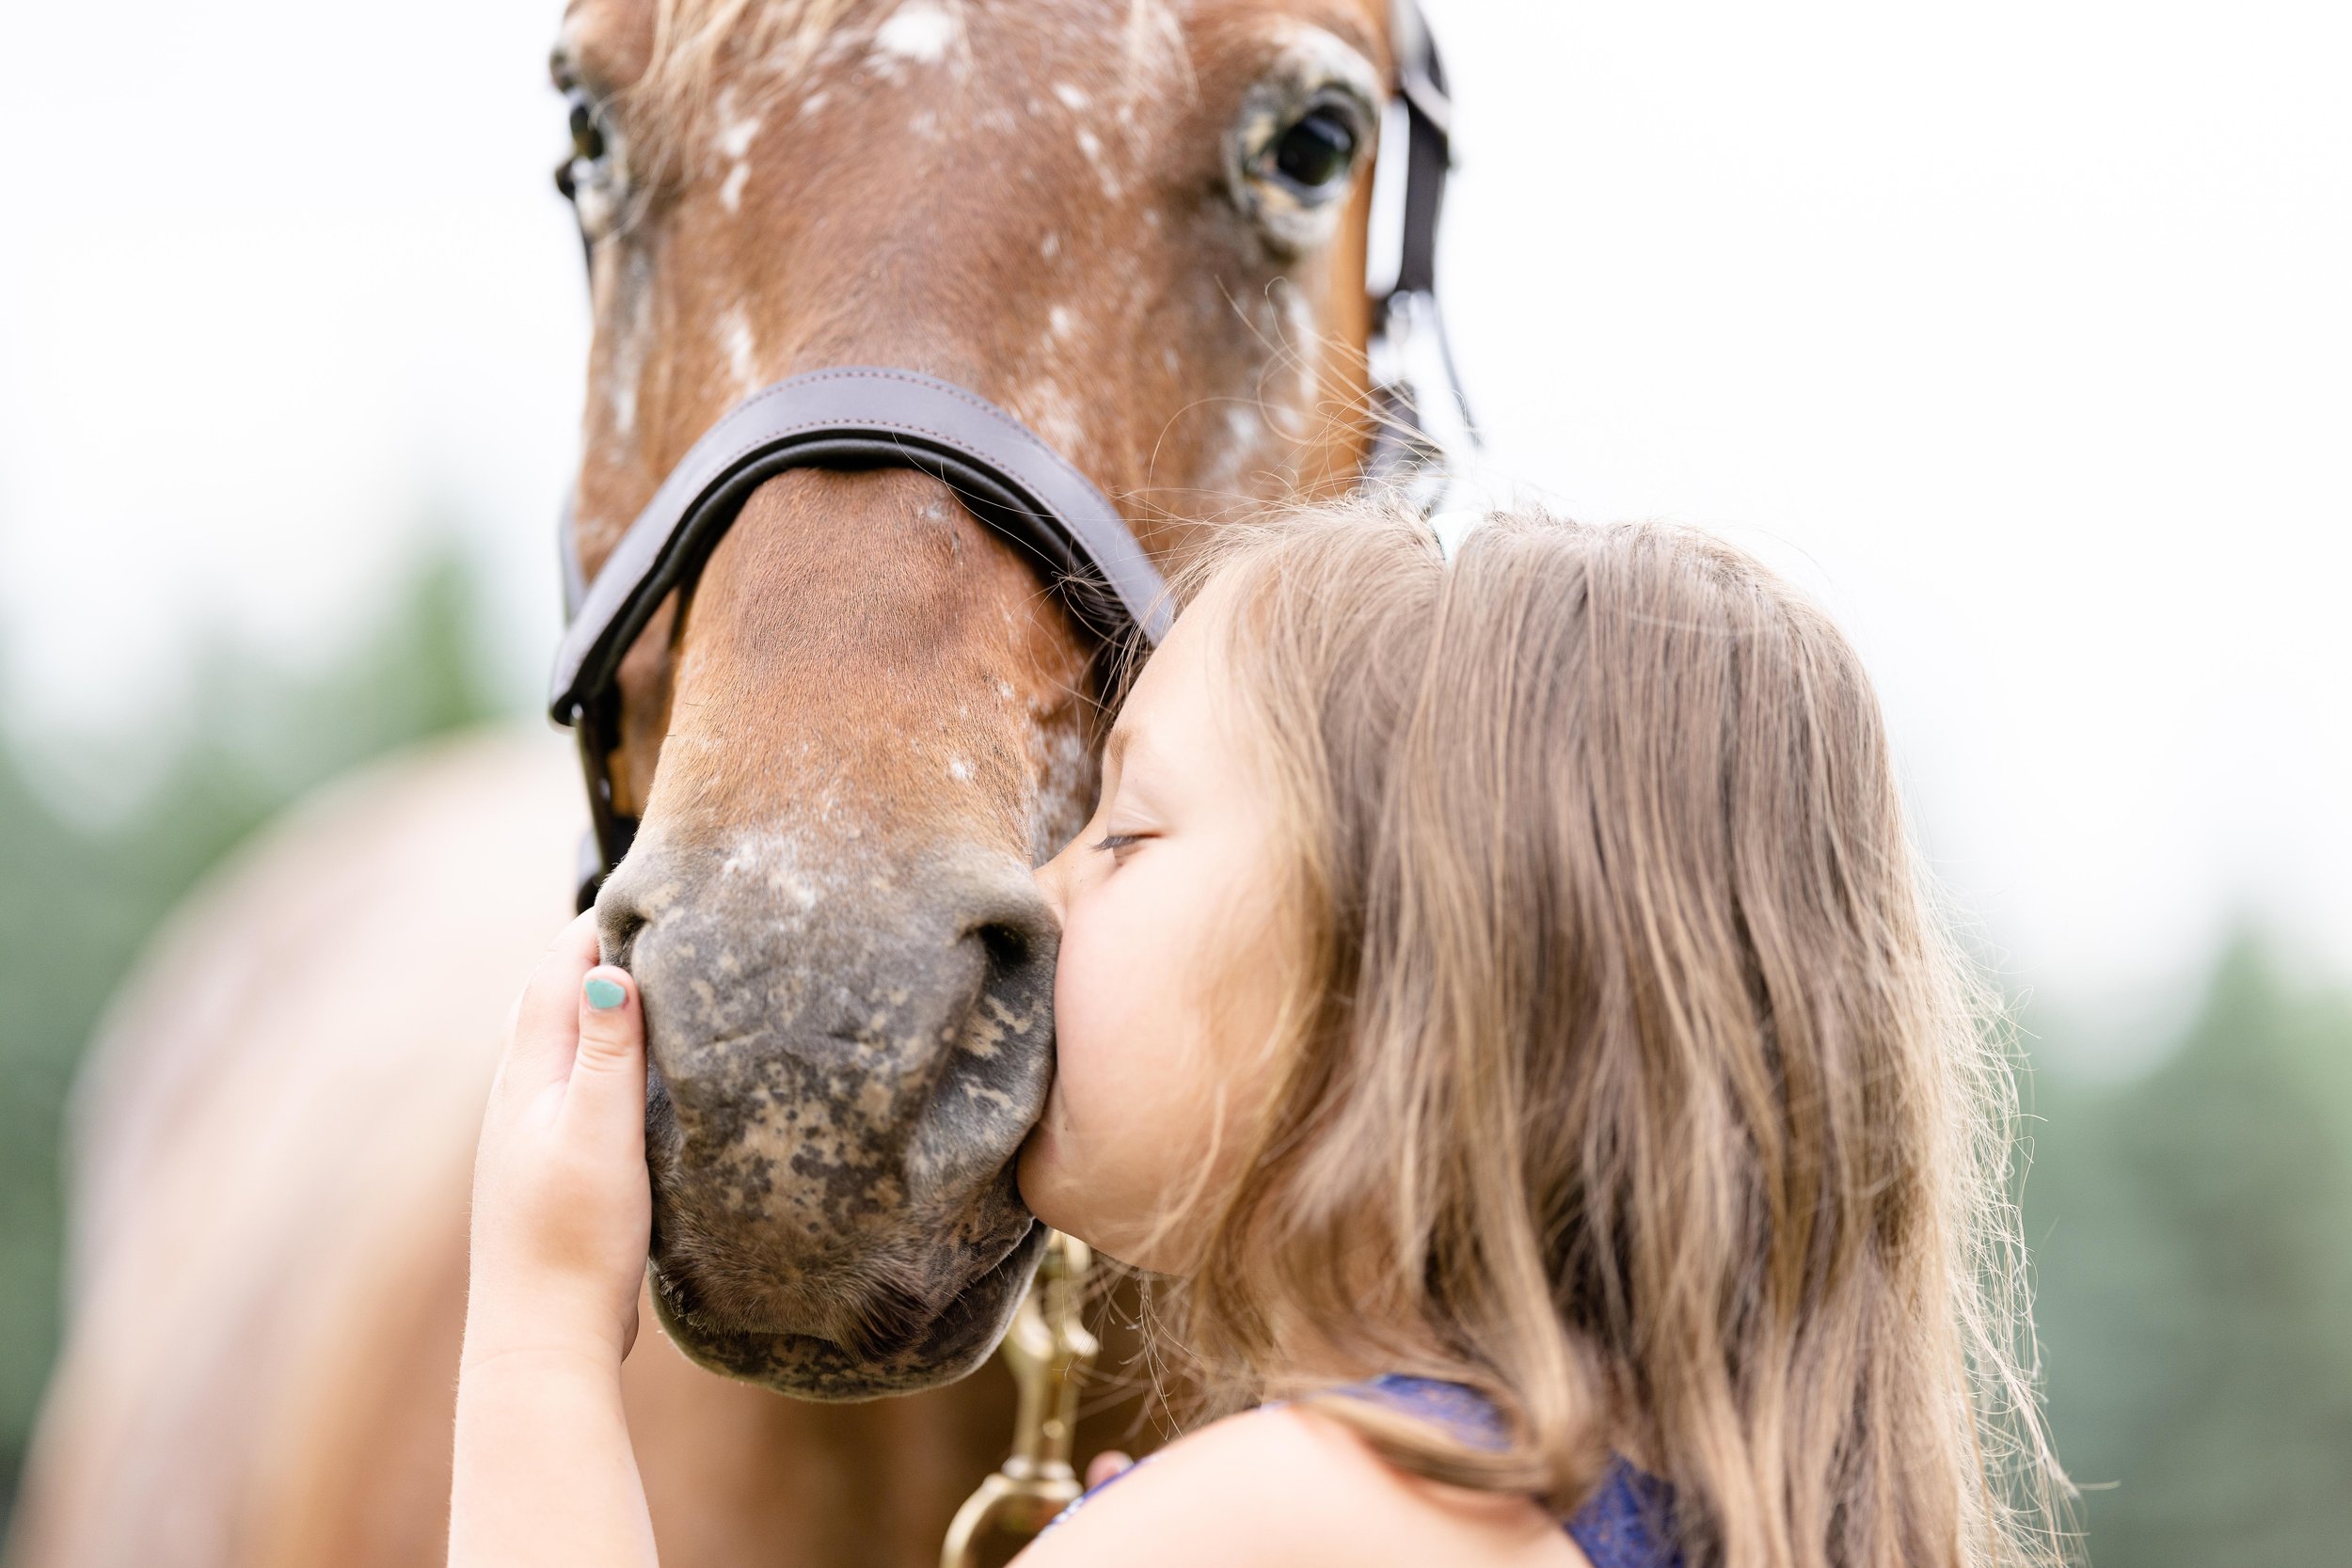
[1118, 845]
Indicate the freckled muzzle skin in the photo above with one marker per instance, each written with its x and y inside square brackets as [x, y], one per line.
[838, 1090]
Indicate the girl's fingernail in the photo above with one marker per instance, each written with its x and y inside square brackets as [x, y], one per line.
[603, 994]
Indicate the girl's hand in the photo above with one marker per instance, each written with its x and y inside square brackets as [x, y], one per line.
[562, 1210]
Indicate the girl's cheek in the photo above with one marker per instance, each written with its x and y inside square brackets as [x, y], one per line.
[1073, 997]
[1087, 1013]
[1110, 1025]
[1109, 989]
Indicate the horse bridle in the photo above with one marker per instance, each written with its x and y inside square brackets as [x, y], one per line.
[868, 416]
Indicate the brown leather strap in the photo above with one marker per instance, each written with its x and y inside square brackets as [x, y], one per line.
[1428, 149]
[862, 416]
[1422, 418]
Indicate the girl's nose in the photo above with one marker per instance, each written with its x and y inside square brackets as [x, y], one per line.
[1052, 882]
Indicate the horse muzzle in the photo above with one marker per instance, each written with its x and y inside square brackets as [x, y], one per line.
[844, 1063]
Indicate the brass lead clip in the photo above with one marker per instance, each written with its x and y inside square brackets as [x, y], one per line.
[1047, 1348]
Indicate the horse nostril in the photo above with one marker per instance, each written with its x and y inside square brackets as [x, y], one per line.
[1006, 947]
[1017, 938]
[618, 921]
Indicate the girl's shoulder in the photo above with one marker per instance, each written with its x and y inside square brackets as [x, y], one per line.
[1285, 1485]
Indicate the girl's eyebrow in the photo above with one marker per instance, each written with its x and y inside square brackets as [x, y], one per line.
[1127, 745]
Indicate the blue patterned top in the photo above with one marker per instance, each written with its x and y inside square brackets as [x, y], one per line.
[1626, 1523]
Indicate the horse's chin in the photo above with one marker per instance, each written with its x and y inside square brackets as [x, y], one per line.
[928, 1351]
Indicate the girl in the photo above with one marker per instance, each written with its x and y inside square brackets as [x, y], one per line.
[1496, 1007]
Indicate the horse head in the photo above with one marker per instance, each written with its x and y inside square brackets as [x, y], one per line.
[1140, 225]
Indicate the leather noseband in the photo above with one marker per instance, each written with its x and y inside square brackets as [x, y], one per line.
[853, 417]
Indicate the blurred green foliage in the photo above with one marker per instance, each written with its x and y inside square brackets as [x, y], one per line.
[2192, 1234]
[77, 901]
[2191, 1228]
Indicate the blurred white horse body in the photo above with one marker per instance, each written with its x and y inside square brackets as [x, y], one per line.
[271, 1144]
[274, 1140]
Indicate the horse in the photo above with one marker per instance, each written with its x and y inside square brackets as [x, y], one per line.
[1140, 228]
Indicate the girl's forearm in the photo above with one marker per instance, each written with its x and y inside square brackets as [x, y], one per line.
[544, 1473]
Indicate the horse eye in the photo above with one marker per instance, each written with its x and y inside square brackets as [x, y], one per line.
[1316, 151]
[587, 136]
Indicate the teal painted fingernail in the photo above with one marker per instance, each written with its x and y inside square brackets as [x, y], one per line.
[603, 994]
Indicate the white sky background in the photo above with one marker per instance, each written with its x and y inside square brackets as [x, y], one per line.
[2020, 331]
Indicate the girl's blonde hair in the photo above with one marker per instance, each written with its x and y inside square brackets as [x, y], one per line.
[1625, 1072]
